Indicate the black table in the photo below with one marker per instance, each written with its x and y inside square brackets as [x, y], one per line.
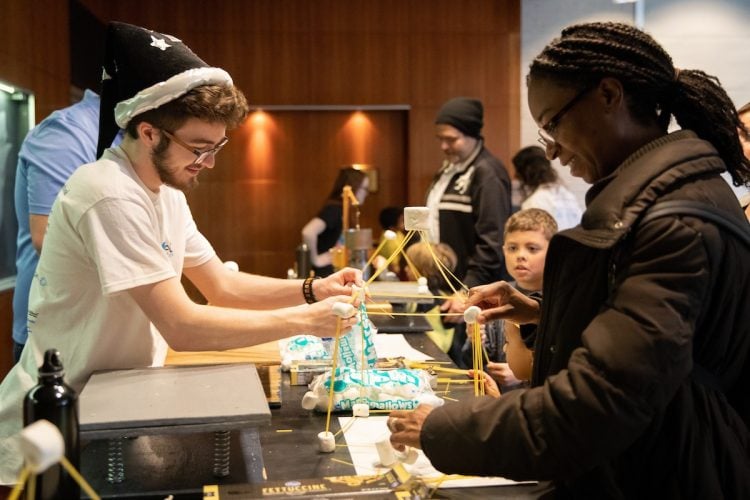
[288, 450]
[294, 454]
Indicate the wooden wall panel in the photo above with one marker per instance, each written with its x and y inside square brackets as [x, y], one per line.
[274, 176]
[325, 52]
[34, 51]
[33, 55]
[418, 53]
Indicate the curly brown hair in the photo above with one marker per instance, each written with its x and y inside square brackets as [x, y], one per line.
[210, 103]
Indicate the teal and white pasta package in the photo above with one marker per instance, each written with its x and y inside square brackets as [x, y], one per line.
[394, 389]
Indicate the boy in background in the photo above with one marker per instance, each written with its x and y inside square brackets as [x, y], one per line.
[420, 256]
[526, 238]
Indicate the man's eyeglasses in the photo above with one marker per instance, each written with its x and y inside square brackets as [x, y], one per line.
[200, 156]
[548, 129]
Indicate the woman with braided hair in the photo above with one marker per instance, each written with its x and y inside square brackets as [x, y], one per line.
[641, 373]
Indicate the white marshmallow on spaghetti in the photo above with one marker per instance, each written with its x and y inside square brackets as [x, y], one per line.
[389, 235]
[326, 442]
[344, 310]
[41, 445]
[471, 314]
[417, 218]
[361, 410]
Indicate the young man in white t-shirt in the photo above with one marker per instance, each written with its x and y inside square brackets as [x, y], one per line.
[120, 236]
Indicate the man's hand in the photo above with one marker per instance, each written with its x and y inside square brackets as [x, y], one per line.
[339, 283]
[406, 426]
[455, 305]
[320, 320]
[500, 300]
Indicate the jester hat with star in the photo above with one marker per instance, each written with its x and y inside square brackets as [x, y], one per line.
[143, 70]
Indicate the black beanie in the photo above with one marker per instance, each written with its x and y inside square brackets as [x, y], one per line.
[465, 114]
[143, 70]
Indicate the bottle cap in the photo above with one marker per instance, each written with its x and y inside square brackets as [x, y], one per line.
[52, 364]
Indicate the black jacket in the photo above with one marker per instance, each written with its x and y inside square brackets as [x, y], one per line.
[473, 211]
[632, 313]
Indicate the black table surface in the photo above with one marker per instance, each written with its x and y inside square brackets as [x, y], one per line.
[294, 455]
[286, 449]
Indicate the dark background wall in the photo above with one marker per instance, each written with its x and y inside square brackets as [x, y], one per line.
[395, 60]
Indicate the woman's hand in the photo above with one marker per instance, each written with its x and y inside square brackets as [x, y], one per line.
[500, 300]
[406, 426]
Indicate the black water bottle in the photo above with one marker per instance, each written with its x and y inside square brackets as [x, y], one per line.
[52, 399]
[302, 263]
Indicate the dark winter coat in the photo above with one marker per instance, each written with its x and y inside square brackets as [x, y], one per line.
[641, 361]
[473, 211]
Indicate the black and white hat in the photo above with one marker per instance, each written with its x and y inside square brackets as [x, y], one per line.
[143, 70]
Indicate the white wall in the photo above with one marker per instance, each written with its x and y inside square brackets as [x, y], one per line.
[711, 35]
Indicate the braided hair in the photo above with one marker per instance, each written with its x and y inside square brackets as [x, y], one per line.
[655, 90]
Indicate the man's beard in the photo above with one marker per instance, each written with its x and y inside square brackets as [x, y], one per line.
[166, 174]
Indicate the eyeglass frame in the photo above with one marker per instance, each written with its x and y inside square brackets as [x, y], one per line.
[200, 156]
[545, 131]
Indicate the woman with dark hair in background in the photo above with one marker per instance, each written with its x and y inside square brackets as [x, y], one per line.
[543, 188]
[323, 231]
[641, 372]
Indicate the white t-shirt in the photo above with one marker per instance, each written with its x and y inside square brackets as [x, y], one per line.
[559, 201]
[107, 233]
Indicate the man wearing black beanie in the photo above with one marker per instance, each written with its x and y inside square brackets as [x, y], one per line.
[469, 202]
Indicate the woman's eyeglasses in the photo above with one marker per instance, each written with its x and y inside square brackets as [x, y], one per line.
[548, 129]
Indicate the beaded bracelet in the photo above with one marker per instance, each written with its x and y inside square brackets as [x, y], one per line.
[307, 290]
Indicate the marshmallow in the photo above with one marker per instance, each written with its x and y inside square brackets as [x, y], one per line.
[430, 399]
[326, 442]
[41, 445]
[422, 281]
[389, 235]
[361, 410]
[408, 456]
[471, 314]
[386, 453]
[344, 310]
[309, 400]
[417, 218]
